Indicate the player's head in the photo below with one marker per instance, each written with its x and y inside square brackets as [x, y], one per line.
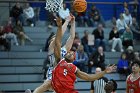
[70, 56]
[111, 86]
[135, 66]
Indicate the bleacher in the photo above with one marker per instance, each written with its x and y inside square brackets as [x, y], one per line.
[21, 68]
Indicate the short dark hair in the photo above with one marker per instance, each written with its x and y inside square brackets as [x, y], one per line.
[135, 62]
[115, 85]
[111, 86]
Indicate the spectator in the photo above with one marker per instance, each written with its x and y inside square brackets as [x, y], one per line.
[130, 55]
[137, 56]
[3, 40]
[76, 41]
[121, 25]
[50, 19]
[127, 38]
[10, 35]
[95, 16]
[16, 13]
[97, 86]
[127, 17]
[98, 58]
[88, 48]
[125, 5]
[135, 29]
[114, 39]
[111, 86]
[82, 19]
[122, 66]
[81, 58]
[29, 15]
[99, 36]
[111, 23]
[135, 8]
[19, 31]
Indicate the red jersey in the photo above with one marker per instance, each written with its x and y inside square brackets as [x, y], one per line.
[133, 86]
[63, 77]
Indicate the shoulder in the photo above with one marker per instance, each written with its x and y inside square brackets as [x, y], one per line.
[30, 7]
[111, 32]
[105, 79]
[72, 67]
[70, 64]
[95, 30]
[124, 14]
[128, 77]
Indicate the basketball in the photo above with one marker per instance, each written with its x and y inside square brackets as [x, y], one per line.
[80, 5]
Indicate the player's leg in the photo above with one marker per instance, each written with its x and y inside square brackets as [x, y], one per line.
[44, 87]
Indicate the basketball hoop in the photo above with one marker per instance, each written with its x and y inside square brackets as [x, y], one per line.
[56, 6]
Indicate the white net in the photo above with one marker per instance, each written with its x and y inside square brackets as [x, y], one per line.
[54, 5]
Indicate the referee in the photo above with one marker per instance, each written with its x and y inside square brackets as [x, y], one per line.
[97, 86]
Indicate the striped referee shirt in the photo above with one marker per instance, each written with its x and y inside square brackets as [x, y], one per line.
[98, 85]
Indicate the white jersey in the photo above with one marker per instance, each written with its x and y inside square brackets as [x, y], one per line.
[63, 52]
[52, 61]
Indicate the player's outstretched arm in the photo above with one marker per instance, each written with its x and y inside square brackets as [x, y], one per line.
[70, 40]
[89, 77]
[57, 46]
[92, 77]
[65, 25]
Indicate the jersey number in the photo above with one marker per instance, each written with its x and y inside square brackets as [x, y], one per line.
[65, 72]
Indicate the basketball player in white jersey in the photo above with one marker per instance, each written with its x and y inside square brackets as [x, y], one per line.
[70, 19]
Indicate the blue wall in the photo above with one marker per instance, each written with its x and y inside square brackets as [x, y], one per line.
[107, 11]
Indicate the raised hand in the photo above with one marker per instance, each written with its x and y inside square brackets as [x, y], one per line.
[72, 19]
[58, 21]
[68, 18]
[110, 69]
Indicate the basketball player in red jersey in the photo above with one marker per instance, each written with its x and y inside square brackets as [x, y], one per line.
[133, 80]
[70, 19]
[64, 73]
